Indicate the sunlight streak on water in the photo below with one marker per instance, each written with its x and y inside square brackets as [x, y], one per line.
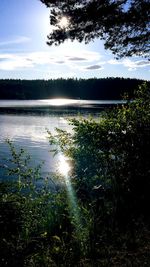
[59, 101]
[74, 208]
[56, 102]
[64, 167]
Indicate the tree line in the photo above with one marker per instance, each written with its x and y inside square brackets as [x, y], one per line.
[104, 88]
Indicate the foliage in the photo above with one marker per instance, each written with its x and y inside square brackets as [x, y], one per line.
[101, 217]
[110, 157]
[122, 24]
[37, 225]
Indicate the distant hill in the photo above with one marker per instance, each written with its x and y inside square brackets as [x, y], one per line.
[108, 88]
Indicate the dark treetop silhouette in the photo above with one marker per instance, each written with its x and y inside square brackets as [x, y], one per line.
[124, 25]
[110, 88]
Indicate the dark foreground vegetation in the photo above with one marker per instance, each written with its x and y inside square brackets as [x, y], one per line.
[100, 216]
[110, 88]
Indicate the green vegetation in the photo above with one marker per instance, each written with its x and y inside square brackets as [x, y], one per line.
[100, 215]
[110, 88]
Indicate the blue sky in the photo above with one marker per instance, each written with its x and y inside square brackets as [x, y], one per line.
[24, 54]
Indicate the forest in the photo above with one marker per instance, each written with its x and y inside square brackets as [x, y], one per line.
[104, 88]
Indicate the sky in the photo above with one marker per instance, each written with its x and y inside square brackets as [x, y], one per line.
[24, 54]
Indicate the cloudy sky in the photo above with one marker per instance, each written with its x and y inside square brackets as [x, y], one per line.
[24, 54]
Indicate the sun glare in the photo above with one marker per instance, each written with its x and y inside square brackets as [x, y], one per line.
[63, 22]
[59, 101]
[63, 167]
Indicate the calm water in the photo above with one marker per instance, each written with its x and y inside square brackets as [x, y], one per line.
[48, 103]
[27, 127]
[28, 131]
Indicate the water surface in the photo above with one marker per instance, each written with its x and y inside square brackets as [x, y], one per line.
[48, 103]
[21, 123]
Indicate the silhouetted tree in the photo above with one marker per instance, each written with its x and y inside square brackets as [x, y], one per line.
[105, 88]
[124, 25]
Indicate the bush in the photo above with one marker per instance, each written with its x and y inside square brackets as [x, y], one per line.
[110, 158]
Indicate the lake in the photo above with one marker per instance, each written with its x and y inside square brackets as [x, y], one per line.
[25, 122]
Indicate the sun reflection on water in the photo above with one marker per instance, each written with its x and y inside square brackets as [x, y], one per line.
[74, 208]
[64, 166]
[59, 101]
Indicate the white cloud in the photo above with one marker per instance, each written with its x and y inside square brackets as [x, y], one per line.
[12, 62]
[130, 64]
[17, 40]
[133, 65]
[9, 62]
[82, 55]
[80, 60]
[77, 59]
[94, 67]
[114, 62]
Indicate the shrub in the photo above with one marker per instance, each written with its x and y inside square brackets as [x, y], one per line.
[110, 158]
